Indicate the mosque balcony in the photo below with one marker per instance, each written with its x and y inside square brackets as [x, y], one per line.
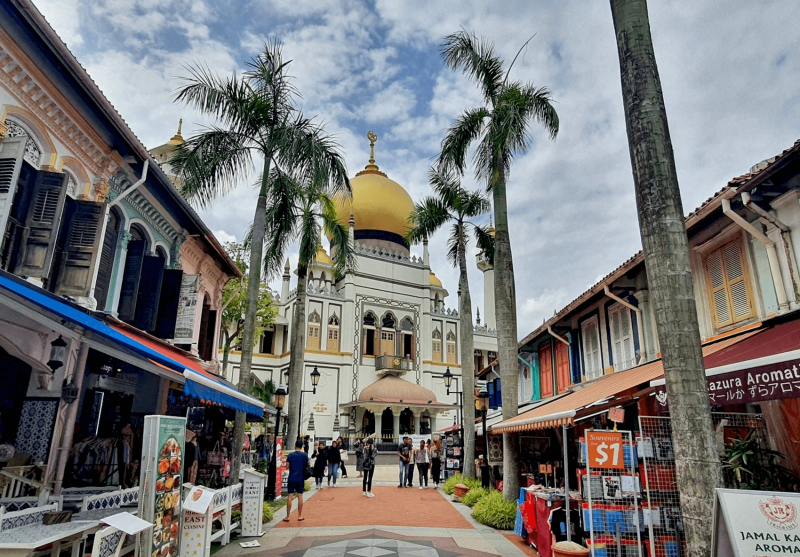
[393, 364]
[483, 261]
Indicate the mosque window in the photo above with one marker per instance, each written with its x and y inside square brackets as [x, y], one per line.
[437, 345]
[312, 343]
[333, 334]
[451, 348]
[369, 334]
[407, 328]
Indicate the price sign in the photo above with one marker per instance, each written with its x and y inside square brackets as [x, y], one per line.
[605, 449]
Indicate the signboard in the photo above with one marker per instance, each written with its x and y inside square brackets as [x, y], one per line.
[161, 478]
[605, 449]
[196, 534]
[253, 503]
[616, 415]
[198, 500]
[755, 524]
[187, 306]
[320, 409]
[279, 464]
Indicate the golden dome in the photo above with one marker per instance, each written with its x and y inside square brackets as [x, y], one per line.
[177, 139]
[322, 257]
[378, 204]
[435, 281]
[391, 388]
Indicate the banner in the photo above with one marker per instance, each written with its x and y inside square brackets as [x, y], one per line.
[187, 307]
[279, 463]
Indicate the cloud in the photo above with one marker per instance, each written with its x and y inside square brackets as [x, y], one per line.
[223, 236]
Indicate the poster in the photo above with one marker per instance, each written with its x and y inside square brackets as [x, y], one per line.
[161, 479]
[755, 523]
[187, 306]
[279, 461]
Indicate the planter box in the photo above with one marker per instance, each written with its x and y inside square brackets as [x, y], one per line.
[461, 490]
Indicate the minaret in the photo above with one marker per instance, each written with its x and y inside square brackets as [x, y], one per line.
[488, 284]
[163, 154]
[285, 286]
[425, 256]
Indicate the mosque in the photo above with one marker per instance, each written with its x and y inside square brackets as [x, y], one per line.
[382, 337]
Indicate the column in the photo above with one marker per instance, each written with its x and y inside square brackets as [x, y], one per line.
[396, 417]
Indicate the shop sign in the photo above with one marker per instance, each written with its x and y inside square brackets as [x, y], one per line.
[252, 503]
[755, 384]
[616, 415]
[321, 409]
[755, 523]
[605, 449]
[161, 480]
[187, 307]
[126, 383]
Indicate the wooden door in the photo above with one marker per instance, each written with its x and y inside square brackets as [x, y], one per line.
[562, 367]
[546, 370]
[387, 343]
[312, 342]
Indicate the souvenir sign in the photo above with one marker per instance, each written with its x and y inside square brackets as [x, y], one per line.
[252, 503]
[756, 523]
[605, 449]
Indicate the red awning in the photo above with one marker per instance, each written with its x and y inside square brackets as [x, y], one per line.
[776, 340]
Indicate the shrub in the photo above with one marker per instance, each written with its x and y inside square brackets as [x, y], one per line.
[472, 483]
[492, 510]
[306, 486]
[474, 495]
[236, 516]
[451, 482]
[268, 512]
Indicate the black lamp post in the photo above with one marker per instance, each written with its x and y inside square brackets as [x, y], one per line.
[448, 380]
[315, 375]
[279, 399]
[482, 404]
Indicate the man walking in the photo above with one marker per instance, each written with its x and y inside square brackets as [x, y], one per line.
[298, 463]
[404, 452]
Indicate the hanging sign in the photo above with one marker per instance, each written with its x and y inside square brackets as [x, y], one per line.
[187, 306]
[252, 503]
[605, 449]
[755, 523]
[616, 415]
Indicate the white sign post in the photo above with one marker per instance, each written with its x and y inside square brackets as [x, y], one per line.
[196, 524]
[253, 503]
[755, 523]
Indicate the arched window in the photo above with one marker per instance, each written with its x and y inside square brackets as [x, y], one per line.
[369, 334]
[407, 332]
[387, 423]
[437, 345]
[368, 423]
[451, 348]
[333, 334]
[33, 153]
[313, 330]
[72, 183]
[406, 422]
[107, 256]
[388, 335]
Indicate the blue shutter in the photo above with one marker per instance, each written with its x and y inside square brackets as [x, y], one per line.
[490, 389]
[498, 398]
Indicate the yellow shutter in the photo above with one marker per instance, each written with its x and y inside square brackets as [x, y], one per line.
[729, 293]
[313, 337]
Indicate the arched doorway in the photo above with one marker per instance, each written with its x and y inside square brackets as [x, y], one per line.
[368, 423]
[387, 423]
[406, 422]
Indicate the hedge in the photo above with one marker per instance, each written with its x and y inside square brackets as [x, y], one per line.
[492, 510]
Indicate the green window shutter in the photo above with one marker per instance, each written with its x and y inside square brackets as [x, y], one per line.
[81, 248]
[149, 293]
[168, 303]
[42, 222]
[130, 280]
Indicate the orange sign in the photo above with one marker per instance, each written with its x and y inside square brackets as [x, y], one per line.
[616, 415]
[605, 449]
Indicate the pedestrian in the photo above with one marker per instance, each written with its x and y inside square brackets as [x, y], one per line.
[298, 463]
[436, 462]
[343, 459]
[306, 441]
[423, 461]
[359, 457]
[411, 466]
[190, 451]
[334, 460]
[369, 452]
[404, 453]
[429, 448]
[321, 463]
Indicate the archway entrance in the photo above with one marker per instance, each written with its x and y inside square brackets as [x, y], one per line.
[368, 423]
[387, 423]
[406, 422]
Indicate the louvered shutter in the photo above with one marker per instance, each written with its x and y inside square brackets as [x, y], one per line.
[719, 294]
[546, 371]
[105, 264]
[728, 290]
[621, 337]
[734, 273]
[11, 153]
[41, 225]
[211, 330]
[168, 303]
[81, 247]
[202, 337]
[591, 349]
[562, 367]
[149, 293]
[130, 280]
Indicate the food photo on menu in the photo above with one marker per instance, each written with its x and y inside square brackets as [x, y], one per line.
[167, 501]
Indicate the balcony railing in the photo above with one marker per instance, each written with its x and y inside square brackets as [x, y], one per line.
[393, 363]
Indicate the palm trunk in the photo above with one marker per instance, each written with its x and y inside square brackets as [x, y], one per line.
[669, 272]
[296, 360]
[467, 357]
[248, 336]
[226, 352]
[505, 300]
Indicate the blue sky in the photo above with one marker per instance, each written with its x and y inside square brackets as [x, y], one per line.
[730, 72]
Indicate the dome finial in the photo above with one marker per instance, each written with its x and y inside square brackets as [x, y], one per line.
[180, 125]
[177, 139]
[372, 139]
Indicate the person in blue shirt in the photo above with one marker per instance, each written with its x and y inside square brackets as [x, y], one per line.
[298, 462]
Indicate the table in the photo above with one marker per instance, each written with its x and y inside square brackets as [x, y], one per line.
[98, 515]
[21, 542]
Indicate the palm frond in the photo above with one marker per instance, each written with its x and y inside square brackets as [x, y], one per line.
[452, 243]
[485, 242]
[309, 233]
[464, 50]
[467, 128]
[473, 204]
[446, 184]
[284, 199]
[342, 250]
[427, 217]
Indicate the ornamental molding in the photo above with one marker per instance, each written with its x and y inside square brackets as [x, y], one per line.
[33, 90]
[136, 201]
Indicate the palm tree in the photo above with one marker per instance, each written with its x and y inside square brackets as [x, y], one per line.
[259, 122]
[264, 392]
[299, 211]
[501, 130]
[669, 272]
[453, 204]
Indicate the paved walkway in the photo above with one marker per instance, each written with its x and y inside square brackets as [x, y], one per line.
[397, 522]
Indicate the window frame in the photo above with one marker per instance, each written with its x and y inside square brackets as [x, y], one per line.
[744, 279]
[592, 320]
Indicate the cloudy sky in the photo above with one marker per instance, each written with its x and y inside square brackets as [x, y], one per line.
[730, 72]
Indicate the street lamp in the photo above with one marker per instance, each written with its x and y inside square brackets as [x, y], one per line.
[448, 378]
[315, 375]
[279, 399]
[482, 404]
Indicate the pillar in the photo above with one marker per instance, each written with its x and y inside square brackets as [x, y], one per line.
[396, 418]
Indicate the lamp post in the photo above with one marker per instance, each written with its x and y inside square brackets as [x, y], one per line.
[279, 399]
[315, 375]
[448, 380]
[482, 404]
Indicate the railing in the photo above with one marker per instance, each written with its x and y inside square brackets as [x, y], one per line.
[387, 362]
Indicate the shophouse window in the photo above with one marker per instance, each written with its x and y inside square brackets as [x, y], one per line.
[312, 342]
[333, 334]
[622, 350]
[590, 340]
[562, 367]
[728, 285]
[437, 345]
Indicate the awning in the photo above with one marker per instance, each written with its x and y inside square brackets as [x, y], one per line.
[120, 341]
[765, 366]
[562, 411]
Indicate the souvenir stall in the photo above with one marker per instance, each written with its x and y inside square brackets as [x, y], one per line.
[452, 450]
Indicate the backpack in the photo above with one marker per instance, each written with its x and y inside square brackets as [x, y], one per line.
[368, 457]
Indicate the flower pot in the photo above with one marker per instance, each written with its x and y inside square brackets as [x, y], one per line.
[558, 552]
[461, 490]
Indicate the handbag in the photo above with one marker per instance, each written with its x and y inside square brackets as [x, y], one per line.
[226, 469]
[345, 458]
[216, 457]
[307, 472]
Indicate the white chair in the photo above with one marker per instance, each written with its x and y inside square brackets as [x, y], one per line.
[108, 542]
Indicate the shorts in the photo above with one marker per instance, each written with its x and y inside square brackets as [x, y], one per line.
[296, 486]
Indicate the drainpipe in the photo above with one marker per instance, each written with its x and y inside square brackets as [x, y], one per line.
[555, 336]
[772, 254]
[638, 311]
[787, 239]
[135, 186]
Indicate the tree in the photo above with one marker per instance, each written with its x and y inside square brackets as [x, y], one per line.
[234, 302]
[669, 273]
[500, 129]
[453, 204]
[258, 122]
[299, 210]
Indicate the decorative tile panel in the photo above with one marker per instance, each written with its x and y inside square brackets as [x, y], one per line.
[35, 430]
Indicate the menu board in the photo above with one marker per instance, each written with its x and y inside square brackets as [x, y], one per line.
[161, 478]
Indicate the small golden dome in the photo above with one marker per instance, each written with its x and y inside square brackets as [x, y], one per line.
[322, 257]
[177, 139]
[491, 227]
[435, 281]
[393, 389]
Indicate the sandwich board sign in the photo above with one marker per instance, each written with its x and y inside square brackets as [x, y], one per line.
[253, 503]
[755, 523]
